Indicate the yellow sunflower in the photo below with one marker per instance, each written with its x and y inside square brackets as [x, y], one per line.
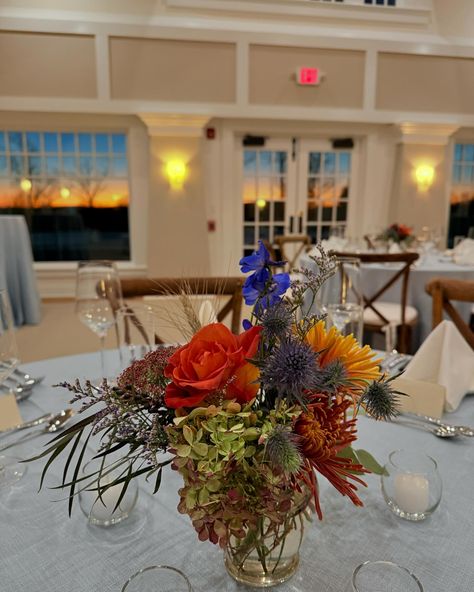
[359, 362]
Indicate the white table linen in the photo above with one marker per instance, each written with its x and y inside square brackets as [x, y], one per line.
[41, 549]
[16, 270]
[375, 275]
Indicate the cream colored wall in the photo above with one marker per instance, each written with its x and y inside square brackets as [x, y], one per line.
[177, 228]
[407, 204]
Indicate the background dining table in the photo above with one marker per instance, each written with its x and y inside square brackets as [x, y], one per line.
[17, 275]
[42, 549]
[375, 275]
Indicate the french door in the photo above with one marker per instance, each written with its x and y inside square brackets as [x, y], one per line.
[294, 187]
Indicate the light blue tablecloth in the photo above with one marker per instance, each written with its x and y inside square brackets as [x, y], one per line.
[16, 270]
[41, 549]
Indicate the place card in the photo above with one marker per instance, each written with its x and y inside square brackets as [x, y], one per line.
[9, 412]
[424, 398]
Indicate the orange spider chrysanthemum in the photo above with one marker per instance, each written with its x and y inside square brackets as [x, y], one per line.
[323, 432]
[358, 362]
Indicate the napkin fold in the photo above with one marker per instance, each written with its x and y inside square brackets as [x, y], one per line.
[463, 254]
[446, 359]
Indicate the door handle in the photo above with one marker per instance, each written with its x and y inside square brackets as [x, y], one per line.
[300, 222]
[292, 220]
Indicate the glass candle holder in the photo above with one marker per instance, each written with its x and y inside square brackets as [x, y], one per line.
[158, 577]
[412, 485]
[100, 510]
[373, 576]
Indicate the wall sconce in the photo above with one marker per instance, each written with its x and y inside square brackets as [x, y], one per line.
[176, 171]
[424, 176]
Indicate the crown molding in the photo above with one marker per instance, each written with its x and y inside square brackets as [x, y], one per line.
[436, 134]
[187, 126]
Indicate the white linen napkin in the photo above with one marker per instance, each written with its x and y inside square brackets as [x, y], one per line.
[444, 358]
[207, 313]
[463, 254]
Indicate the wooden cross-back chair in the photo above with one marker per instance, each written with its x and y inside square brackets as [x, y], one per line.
[377, 314]
[214, 286]
[302, 243]
[444, 290]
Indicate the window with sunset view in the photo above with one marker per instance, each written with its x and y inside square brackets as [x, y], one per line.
[72, 187]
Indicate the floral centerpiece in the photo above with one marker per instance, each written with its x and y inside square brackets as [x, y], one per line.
[251, 422]
[399, 234]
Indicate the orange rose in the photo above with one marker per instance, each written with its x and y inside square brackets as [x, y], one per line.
[215, 359]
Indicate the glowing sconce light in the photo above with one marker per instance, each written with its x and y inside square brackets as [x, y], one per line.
[65, 192]
[261, 203]
[176, 172]
[424, 175]
[25, 185]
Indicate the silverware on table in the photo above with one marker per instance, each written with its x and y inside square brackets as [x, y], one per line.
[28, 424]
[460, 429]
[27, 377]
[55, 424]
[437, 430]
[21, 393]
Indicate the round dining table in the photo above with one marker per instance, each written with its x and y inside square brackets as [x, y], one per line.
[42, 549]
[17, 275]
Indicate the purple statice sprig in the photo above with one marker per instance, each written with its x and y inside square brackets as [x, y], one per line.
[310, 281]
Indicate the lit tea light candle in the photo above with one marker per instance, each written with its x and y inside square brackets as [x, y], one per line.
[412, 493]
[103, 508]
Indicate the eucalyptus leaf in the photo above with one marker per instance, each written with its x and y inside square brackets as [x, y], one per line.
[369, 462]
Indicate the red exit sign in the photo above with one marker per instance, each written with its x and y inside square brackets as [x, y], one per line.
[308, 76]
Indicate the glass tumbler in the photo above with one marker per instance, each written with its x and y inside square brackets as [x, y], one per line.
[374, 576]
[412, 485]
[100, 511]
[158, 577]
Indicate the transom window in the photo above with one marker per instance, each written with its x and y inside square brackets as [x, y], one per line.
[72, 187]
[461, 216]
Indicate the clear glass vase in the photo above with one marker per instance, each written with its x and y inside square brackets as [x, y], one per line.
[269, 555]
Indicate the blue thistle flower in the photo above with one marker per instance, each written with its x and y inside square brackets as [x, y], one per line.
[332, 377]
[381, 400]
[277, 321]
[282, 450]
[290, 369]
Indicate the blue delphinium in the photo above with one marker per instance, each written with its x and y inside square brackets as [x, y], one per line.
[263, 288]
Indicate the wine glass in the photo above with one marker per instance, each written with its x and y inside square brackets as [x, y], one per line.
[98, 298]
[8, 348]
[10, 469]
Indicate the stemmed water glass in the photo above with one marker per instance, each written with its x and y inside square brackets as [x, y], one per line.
[98, 298]
[10, 469]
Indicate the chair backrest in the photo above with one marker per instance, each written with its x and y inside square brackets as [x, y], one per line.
[216, 286]
[403, 272]
[444, 290]
[301, 242]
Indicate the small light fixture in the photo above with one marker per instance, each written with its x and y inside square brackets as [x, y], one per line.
[424, 176]
[261, 203]
[176, 171]
[25, 185]
[65, 192]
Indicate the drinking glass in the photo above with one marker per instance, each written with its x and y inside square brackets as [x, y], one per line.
[98, 297]
[374, 576]
[11, 470]
[411, 485]
[158, 577]
[8, 347]
[137, 329]
[100, 511]
[341, 298]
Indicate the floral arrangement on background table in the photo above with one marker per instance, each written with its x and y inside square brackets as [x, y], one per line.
[399, 234]
[250, 421]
